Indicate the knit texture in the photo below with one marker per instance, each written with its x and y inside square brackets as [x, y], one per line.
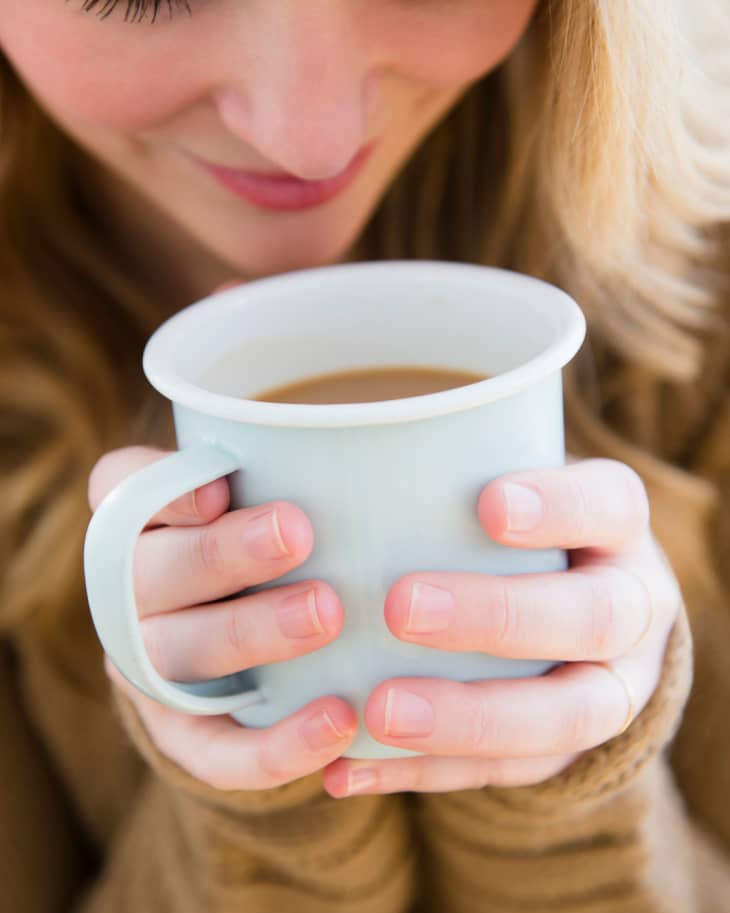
[94, 819]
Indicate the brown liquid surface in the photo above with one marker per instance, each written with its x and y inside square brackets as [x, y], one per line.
[368, 385]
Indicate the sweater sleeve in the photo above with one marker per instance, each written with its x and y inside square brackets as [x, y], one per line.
[42, 855]
[187, 847]
[184, 847]
[608, 834]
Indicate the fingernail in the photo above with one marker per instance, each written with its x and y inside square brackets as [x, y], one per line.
[431, 609]
[187, 506]
[524, 507]
[297, 615]
[361, 779]
[407, 714]
[262, 536]
[320, 731]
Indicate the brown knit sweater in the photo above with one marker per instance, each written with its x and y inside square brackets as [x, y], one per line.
[93, 819]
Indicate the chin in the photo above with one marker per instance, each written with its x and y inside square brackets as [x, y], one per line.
[286, 254]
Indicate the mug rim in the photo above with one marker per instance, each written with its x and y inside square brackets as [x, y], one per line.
[160, 348]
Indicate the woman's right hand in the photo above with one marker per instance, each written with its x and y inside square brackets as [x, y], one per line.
[191, 554]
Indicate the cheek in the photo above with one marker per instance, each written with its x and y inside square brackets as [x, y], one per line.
[114, 75]
[456, 42]
[83, 73]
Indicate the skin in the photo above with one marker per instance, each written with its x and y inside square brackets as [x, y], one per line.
[139, 93]
[334, 76]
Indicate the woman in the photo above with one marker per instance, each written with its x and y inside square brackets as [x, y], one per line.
[150, 152]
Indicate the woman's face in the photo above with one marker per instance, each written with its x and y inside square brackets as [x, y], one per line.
[316, 103]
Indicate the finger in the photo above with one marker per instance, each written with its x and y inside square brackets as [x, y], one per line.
[229, 283]
[600, 504]
[592, 612]
[178, 567]
[269, 626]
[196, 507]
[574, 707]
[227, 756]
[430, 774]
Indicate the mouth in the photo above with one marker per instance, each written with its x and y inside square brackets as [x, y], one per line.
[282, 192]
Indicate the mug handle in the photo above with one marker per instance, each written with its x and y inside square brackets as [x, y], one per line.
[109, 547]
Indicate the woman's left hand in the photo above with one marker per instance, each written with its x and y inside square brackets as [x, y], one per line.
[613, 610]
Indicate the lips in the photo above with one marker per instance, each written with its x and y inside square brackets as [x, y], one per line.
[283, 192]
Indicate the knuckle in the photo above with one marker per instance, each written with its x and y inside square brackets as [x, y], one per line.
[577, 497]
[498, 772]
[577, 728]
[640, 600]
[418, 780]
[603, 615]
[505, 613]
[622, 602]
[480, 728]
[208, 551]
[236, 634]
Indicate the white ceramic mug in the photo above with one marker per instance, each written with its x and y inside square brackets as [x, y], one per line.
[389, 487]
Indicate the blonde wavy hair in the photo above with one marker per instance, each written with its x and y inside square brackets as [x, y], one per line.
[593, 157]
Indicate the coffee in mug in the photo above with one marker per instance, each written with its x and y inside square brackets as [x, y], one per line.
[367, 385]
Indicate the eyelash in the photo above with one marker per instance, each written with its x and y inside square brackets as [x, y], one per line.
[138, 9]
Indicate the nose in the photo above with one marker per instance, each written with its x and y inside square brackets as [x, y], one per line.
[297, 91]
